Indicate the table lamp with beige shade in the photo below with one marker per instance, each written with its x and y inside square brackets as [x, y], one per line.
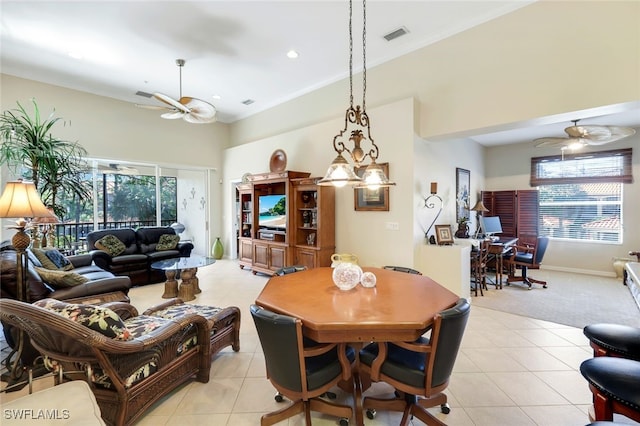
[20, 200]
[479, 208]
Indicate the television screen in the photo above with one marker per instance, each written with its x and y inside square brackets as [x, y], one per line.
[272, 211]
[491, 225]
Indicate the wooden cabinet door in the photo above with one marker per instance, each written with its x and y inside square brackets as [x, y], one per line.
[261, 255]
[245, 250]
[277, 257]
[306, 258]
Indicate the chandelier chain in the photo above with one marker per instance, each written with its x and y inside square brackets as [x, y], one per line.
[364, 54]
[350, 54]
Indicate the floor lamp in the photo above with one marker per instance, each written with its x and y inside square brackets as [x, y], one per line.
[20, 200]
[479, 208]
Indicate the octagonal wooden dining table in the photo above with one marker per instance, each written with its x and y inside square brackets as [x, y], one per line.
[401, 307]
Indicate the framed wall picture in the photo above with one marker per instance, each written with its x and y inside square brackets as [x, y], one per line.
[444, 235]
[463, 185]
[371, 199]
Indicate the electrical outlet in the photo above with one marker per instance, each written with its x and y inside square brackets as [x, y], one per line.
[393, 226]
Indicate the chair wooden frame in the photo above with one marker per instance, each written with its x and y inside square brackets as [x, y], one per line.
[306, 400]
[536, 260]
[75, 347]
[479, 259]
[407, 401]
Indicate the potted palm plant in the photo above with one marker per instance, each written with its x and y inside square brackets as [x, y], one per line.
[30, 151]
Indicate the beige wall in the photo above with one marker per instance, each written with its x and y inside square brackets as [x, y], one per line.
[112, 129]
[508, 167]
[547, 58]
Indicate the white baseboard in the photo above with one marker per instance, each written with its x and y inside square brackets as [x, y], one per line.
[579, 271]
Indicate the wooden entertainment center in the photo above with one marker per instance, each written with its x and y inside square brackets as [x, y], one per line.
[302, 232]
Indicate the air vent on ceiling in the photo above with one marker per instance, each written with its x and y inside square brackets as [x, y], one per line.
[396, 33]
[248, 101]
[143, 94]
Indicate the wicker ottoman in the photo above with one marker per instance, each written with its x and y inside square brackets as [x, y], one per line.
[224, 322]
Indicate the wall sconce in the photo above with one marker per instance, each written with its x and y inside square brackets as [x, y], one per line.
[340, 172]
[429, 203]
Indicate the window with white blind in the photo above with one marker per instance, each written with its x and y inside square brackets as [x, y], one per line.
[580, 195]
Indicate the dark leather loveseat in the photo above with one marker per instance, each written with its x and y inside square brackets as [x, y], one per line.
[139, 253]
[99, 282]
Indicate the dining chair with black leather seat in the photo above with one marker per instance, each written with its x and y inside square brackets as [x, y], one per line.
[403, 269]
[289, 270]
[418, 370]
[526, 257]
[300, 373]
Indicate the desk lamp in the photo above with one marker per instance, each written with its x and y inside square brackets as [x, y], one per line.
[479, 208]
[20, 201]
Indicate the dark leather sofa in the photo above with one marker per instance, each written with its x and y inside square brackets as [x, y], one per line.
[140, 252]
[100, 282]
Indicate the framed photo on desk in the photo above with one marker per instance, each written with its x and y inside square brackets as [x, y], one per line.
[444, 235]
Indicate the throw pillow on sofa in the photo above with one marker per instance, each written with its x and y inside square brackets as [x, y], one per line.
[111, 244]
[52, 259]
[103, 320]
[167, 242]
[60, 279]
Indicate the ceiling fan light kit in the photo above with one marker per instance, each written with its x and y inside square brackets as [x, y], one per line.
[580, 136]
[190, 109]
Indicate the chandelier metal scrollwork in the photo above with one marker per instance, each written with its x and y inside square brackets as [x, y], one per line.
[340, 172]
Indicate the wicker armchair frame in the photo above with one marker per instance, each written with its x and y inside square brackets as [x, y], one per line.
[78, 348]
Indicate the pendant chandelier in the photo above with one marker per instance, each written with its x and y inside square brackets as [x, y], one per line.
[340, 171]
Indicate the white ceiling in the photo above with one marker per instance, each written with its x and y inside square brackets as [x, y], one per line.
[233, 49]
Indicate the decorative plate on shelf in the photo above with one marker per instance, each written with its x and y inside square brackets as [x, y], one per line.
[278, 161]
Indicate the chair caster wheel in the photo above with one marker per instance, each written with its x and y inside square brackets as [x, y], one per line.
[445, 408]
[544, 286]
[279, 397]
[371, 413]
[344, 422]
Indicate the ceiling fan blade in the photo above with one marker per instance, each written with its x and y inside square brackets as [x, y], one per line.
[554, 142]
[173, 115]
[154, 107]
[203, 111]
[197, 118]
[170, 101]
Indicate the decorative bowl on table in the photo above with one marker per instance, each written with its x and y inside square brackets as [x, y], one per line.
[346, 276]
[368, 279]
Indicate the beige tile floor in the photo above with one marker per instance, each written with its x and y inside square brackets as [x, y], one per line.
[510, 371]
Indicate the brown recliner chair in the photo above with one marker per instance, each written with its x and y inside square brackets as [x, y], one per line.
[129, 361]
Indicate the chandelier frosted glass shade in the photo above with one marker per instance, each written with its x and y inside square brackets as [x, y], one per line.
[340, 173]
[374, 177]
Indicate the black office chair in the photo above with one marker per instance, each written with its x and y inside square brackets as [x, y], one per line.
[526, 257]
[403, 269]
[299, 373]
[420, 368]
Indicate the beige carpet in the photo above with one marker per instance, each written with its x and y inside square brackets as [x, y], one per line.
[572, 299]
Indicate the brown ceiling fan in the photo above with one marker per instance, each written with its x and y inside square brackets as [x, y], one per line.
[580, 136]
[190, 109]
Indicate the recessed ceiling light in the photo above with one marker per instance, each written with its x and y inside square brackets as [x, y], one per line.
[217, 97]
[292, 54]
[76, 55]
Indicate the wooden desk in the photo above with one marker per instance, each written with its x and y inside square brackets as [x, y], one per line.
[400, 308]
[496, 250]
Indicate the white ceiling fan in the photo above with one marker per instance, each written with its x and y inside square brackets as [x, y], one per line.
[190, 109]
[580, 136]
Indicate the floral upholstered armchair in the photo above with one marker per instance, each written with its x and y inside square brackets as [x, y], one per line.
[129, 360]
